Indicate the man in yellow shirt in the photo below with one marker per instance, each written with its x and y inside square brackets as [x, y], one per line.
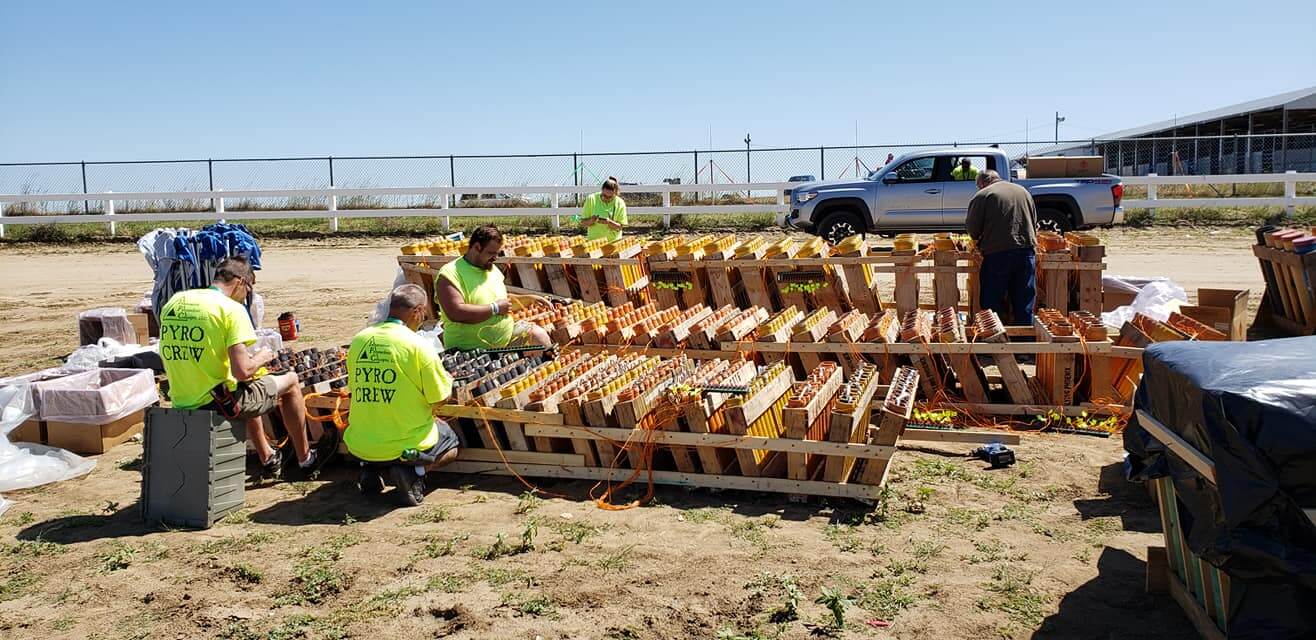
[473, 300]
[964, 171]
[397, 381]
[204, 340]
[604, 213]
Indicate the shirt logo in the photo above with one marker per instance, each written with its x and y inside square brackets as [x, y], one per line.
[374, 373]
[375, 352]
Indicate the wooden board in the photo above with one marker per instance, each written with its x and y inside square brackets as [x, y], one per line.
[849, 427]
[775, 485]
[906, 283]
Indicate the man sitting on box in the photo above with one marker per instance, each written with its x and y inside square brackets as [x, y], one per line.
[397, 381]
[204, 340]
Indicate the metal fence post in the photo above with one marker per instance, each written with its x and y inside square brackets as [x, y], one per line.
[333, 199]
[1151, 192]
[85, 208]
[333, 206]
[822, 163]
[696, 172]
[1290, 192]
[108, 205]
[210, 174]
[575, 179]
[452, 178]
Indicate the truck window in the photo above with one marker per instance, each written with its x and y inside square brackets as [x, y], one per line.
[967, 168]
[916, 170]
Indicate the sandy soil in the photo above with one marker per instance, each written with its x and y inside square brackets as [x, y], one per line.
[1054, 547]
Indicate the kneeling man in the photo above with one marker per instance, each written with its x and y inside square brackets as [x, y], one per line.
[397, 382]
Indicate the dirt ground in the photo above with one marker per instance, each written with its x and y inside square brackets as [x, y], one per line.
[1053, 547]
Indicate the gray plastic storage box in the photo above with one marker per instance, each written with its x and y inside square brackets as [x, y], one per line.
[194, 467]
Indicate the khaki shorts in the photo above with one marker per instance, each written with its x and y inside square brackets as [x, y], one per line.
[255, 398]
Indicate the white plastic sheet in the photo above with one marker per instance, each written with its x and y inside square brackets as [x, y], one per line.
[98, 396]
[23, 466]
[380, 313]
[1156, 299]
[89, 356]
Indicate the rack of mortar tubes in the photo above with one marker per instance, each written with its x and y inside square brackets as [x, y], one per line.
[975, 364]
[565, 266]
[1288, 265]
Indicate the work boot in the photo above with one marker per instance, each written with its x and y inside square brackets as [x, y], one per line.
[369, 482]
[409, 482]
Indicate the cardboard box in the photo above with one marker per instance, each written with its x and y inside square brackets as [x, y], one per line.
[141, 327]
[1110, 300]
[33, 431]
[1223, 309]
[92, 439]
[1085, 166]
[1066, 166]
[93, 397]
[1047, 166]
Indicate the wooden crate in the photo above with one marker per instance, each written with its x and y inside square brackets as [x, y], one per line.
[1289, 302]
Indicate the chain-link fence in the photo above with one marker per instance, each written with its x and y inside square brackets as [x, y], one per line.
[1207, 155]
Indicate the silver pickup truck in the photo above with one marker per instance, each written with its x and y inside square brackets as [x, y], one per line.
[930, 191]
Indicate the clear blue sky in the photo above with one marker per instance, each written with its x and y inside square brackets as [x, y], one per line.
[143, 80]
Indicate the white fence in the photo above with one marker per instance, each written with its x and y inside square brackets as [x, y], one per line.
[554, 210]
[332, 212]
[1289, 200]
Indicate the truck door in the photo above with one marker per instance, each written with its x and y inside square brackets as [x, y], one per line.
[909, 196]
[961, 183]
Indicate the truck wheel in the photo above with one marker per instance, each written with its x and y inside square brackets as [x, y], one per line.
[1055, 220]
[841, 225]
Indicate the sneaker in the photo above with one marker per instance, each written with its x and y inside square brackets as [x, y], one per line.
[272, 466]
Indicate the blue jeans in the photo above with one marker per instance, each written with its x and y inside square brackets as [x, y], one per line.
[1011, 273]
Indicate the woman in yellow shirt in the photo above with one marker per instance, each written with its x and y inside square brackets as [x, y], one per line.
[604, 213]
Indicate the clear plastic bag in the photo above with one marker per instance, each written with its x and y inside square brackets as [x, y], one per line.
[267, 339]
[25, 465]
[98, 396]
[106, 322]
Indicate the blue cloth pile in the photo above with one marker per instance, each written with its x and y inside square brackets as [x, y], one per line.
[184, 259]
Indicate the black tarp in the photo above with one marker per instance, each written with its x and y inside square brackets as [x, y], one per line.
[1251, 408]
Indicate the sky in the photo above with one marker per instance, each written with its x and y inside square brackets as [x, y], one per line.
[158, 80]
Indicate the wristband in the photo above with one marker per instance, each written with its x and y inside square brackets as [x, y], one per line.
[493, 309]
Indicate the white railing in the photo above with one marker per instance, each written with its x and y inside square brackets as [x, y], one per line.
[332, 212]
[1289, 200]
[449, 195]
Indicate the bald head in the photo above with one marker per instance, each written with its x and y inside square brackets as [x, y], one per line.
[405, 301]
[986, 178]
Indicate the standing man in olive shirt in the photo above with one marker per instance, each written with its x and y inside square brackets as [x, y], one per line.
[1002, 221]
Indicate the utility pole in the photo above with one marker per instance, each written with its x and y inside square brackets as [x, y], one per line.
[1058, 121]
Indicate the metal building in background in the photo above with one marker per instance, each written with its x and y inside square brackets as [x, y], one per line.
[1268, 135]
